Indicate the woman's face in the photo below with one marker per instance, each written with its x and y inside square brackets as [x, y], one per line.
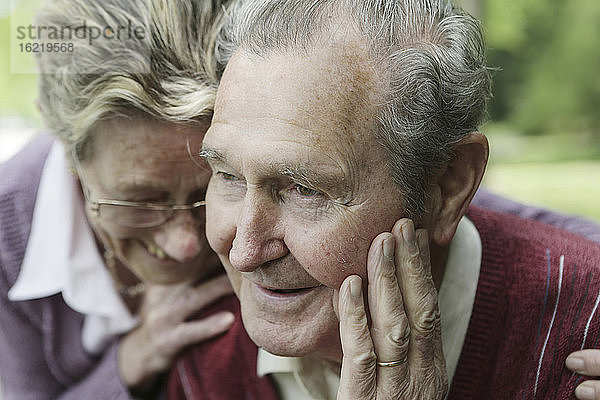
[141, 160]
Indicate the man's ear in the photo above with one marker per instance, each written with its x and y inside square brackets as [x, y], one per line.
[457, 185]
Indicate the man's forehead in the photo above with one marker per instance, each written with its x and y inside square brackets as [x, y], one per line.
[323, 101]
[337, 81]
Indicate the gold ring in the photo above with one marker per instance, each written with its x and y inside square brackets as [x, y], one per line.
[392, 363]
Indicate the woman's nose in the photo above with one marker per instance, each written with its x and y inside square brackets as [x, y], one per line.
[180, 237]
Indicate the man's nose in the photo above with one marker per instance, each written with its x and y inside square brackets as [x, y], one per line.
[258, 237]
[180, 237]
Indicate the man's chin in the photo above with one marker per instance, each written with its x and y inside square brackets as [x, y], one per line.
[286, 351]
[290, 341]
[276, 340]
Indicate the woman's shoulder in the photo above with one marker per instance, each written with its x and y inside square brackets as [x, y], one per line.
[19, 180]
[24, 169]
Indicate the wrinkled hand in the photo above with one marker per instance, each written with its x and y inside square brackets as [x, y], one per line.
[403, 308]
[151, 348]
[586, 362]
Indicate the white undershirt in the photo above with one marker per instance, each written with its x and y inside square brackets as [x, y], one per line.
[306, 378]
[62, 257]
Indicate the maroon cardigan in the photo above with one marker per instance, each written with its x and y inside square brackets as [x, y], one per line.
[529, 314]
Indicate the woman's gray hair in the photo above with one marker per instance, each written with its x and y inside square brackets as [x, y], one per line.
[153, 58]
[432, 52]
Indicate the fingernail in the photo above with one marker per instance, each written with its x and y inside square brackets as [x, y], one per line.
[355, 289]
[226, 318]
[408, 231]
[575, 363]
[422, 237]
[388, 248]
[584, 392]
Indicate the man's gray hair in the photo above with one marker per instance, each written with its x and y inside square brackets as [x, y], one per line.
[432, 52]
[165, 70]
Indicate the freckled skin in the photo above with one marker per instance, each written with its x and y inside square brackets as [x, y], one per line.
[128, 151]
[264, 112]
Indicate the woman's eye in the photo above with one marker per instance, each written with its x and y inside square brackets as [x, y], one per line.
[306, 192]
[227, 177]
[149, 198]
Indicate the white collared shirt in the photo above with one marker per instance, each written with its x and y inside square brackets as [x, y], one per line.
[62, 257]
[305, 378]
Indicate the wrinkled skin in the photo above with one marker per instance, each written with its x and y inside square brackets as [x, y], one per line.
[300, 204]
[405, 323]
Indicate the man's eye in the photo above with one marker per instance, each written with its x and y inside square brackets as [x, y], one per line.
[306, 192]
[227, 177]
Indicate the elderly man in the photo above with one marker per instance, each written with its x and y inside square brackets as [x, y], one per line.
[345, 154]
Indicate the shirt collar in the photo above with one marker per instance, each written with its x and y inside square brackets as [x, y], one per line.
[457, 292]
[62, 257]
[299, 377]
[456, 297]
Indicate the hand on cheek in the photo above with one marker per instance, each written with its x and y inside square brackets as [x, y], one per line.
[399, 355]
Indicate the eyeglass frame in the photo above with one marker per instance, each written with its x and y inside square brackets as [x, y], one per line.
[95, 205]
[166, 207]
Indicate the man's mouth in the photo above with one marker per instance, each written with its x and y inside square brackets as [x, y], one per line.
[288, 291]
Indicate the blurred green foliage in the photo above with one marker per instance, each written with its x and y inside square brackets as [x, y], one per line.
[548, 55]
[17, 90]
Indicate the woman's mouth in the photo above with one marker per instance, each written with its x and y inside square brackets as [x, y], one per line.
[156, 251]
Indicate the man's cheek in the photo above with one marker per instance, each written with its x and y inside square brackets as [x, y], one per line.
[219, 231]
[331, 263]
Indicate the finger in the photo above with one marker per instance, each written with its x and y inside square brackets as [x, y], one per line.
[358, 377]
[585, 362]
[588, 390]
[419, 294]
[423, 243]
[195, 298]
[390, 327]
[188, 333]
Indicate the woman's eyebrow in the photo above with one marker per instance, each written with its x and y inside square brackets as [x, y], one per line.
[128, 187]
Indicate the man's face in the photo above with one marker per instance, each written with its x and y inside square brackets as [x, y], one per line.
[299, 190]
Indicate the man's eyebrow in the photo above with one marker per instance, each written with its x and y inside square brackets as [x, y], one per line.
[210, 154]
[333, 181]
[296, 172]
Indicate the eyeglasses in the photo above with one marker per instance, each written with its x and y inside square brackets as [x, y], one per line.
[134, 214]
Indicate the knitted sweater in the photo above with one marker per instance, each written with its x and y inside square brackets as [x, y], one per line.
[41, 353]
[536, 302]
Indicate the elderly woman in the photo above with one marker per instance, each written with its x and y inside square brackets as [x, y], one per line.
[101, 267]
